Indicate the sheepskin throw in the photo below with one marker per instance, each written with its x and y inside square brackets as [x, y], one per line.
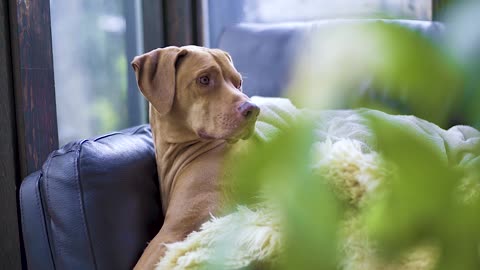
[345, 156]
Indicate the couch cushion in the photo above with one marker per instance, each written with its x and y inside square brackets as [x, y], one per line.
[99, 203]
[265, 53]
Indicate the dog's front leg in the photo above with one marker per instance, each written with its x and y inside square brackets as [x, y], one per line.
[187, 211]
[156, 249]
[174, 229]
[151, 254]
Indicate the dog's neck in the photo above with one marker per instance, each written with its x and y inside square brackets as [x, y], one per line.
[174, 150]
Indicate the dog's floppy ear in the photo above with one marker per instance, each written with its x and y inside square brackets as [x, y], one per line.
[223, 53]
[155, 72]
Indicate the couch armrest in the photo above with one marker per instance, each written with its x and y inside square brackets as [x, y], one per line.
[94, 204]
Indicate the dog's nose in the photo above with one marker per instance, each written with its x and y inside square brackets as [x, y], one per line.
[248, 110]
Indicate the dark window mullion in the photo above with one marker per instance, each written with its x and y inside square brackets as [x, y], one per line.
[179, 19]
[34, 85]
[437, 7]
[153, 37]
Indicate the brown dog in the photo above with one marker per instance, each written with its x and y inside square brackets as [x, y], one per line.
[196, 109]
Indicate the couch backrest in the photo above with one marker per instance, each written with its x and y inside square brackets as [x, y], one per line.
[265, 53]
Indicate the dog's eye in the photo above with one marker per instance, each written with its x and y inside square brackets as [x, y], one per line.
[204, 80]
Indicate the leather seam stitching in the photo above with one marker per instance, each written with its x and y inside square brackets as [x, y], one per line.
[26, 244]
[47, 168]
[82, 206]
[44, 226]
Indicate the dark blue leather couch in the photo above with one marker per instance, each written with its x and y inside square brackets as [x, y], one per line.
[95, 203]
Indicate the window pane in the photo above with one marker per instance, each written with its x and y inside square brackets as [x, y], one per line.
[262, 11]
[93, 43]
[268, 11]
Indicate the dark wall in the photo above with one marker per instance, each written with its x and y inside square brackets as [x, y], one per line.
[10, 257]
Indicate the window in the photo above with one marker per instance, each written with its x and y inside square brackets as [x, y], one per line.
[93, 44]
[268, 11]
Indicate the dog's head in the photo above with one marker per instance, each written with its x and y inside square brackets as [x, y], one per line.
[198, 90]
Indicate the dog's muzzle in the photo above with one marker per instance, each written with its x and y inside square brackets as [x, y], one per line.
[248, 110]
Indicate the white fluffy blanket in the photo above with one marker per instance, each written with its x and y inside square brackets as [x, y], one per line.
[345, 155]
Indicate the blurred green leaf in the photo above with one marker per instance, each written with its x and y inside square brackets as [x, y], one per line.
[419, 191]
[281, 170]
[390, 66]
[422, 203]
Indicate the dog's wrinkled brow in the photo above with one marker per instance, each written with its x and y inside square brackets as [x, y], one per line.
[208, 69]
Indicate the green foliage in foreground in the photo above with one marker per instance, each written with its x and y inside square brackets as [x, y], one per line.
[421, 203]
[282, 169]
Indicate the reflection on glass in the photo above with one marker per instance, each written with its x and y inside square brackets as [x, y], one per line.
[92, 66]
[288, 10]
